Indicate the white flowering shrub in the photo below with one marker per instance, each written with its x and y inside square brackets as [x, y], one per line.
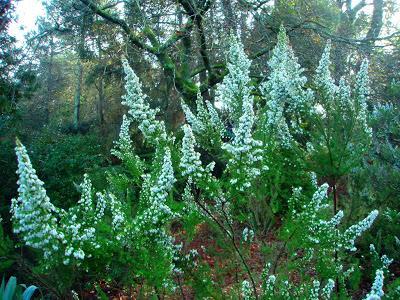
[104, 224]
[237, 169]
[288, 102]
[284, 122]
[342, 134]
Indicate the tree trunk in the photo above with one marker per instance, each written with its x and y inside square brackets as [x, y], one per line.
[376, 24]
[101, 100]
[100, 87]
[79, 76]
[77, 97]
[49, 83]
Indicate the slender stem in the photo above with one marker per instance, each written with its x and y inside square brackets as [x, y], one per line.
[335, 208]
[280, 253]
[180, 287]
[233, 240]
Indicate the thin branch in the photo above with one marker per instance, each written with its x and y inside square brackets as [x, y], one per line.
[121, 23]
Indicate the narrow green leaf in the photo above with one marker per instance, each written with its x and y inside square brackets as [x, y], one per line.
[10, 288]
[29, 292]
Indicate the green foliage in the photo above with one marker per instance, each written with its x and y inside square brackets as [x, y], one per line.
[62, 159]
[6, 250]
[239, 172]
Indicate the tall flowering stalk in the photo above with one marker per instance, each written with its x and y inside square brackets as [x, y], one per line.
[245, 152]
[156, 189]
[363, 92]
[288, 101]
[235, 94]
[323, 76]
[235, 89]
[341, 129]
[153, 130]
[33, 214]
[376, 292]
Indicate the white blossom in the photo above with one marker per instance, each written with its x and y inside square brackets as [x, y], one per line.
[245, 151]
[377, 287]
[235, 88]
[190, 160]
[315, 290]
[287, 99]
[192, 119]
[156, 193]
[124, 143]
[33, 214]
[356, 230]
[153, 130]
[248, 235]
[362, 93]
[215, 119]
[247, 291]
[86, 194]
[323, 77]
[327, 289]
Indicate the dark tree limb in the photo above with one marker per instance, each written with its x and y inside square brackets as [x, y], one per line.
[133, 38]
[376, 21]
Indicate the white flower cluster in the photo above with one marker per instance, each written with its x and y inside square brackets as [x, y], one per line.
[287, 99]
[247, 291]
[376, 292]
[320, 231]
[78, 236]
[154, 213]
[190, 160]
[74, 234]
[323, 77]
[124, 143]
[327, 289]
[216, 121]
[118, 221]
[325, 293]
[344, 98]
[269, 285]
[245, 151]
[157, 211]
[206, 121]
[310, 209]
[356, 230]
[86, 194]
[78, 225]
[235, 89]
[248, 235]
[153, 130]
[384, 259]
[315, 290]
[33, 213]
[190, 117]
[339, 100]
[362, 92]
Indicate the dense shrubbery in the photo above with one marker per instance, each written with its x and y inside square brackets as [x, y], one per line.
[273, 165]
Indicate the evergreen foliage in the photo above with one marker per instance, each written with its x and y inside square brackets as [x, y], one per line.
[127, 226]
